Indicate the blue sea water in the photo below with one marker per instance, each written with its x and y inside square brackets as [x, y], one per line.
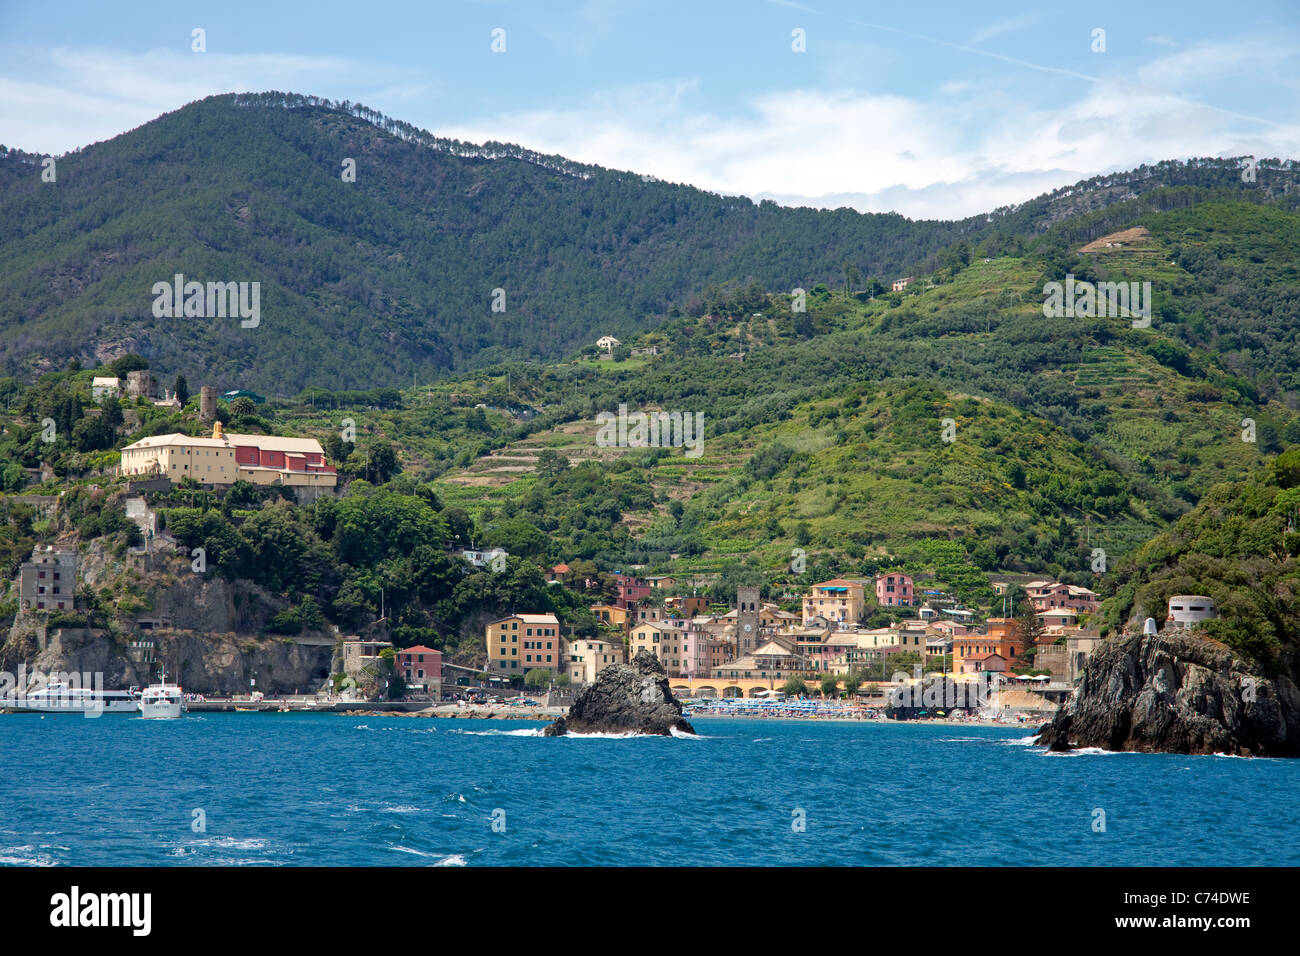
[331, 789]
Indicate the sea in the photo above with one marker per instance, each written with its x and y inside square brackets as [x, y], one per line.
[339, 790]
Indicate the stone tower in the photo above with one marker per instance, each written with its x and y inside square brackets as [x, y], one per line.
[141, 384]
[208, 403]
[747, 608]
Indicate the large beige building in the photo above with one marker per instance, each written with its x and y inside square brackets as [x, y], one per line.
[836, 600]
[524, 642]
[224, 459]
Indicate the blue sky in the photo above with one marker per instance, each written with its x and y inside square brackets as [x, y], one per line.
[929, 109]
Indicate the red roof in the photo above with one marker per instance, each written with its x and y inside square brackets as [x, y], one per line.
[561, 569]
[418, 649]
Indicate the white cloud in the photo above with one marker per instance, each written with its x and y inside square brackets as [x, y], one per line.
[968, 151]
[66, 98]
[969, 147]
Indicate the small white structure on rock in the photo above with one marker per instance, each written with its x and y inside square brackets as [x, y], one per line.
[1186, 610]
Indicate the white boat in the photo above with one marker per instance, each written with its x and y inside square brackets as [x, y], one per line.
[60, 698]
[162, 701]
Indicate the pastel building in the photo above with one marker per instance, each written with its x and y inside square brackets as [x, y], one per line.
[585, 657]
[664, 640]
[894, 590]
[834, 600]
[224, 459]
[970, 650]
[523, 642]
[420, 667]
[630, 590]
[1049, 595]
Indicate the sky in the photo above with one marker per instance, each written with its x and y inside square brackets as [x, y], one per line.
[932, 110]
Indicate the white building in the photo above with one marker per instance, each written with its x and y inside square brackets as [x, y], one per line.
[1188, 609]
[102, 386]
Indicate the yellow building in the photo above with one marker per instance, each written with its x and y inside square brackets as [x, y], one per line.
[612, 614]
[224, 459]
[524, 642]
[834, 600]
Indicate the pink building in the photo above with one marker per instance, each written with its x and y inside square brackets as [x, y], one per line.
[697, 648]
[630, 590]
[1048, 596]
[894, 590]
[420, 666]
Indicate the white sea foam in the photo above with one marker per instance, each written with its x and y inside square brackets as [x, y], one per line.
[397, 847]
[401, 809]
[522, 732]
[28, 857]
[454, 860]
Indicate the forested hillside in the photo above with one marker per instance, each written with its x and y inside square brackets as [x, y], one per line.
[392, 276]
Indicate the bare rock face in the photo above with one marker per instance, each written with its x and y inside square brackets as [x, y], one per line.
[1177, 693]
[626, 698]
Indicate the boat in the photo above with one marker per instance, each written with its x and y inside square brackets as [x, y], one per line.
[60, 698]
[162, 701]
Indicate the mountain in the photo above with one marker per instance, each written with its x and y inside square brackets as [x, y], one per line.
[393, 276]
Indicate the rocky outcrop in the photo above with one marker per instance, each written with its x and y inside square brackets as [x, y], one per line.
[626, 698]
[1177, 692]
[201, 663]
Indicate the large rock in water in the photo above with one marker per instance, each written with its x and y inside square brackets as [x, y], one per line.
[626, 698]
[1177, 692]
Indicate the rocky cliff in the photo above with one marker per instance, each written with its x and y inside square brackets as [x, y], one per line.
[202, 663]
[1177, 692]
[626, 698]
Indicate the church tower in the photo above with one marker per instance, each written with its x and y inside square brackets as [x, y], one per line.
[747, 608]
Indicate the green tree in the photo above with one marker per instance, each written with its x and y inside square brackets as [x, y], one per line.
[182, 389]
[381, 462]
[795, 687]
[539, 678]
[1029, 627]
[830, 685]
[551, 463]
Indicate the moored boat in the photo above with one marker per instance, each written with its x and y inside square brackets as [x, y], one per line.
[62, 698]
[162, 701]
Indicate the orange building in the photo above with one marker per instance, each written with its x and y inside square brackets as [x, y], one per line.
[1002, 639]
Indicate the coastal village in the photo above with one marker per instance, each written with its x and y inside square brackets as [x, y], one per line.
[822, 642]
[752, 651]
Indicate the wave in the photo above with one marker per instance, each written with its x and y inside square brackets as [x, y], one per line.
[523, 732]
[454, 859]
[30, 857]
